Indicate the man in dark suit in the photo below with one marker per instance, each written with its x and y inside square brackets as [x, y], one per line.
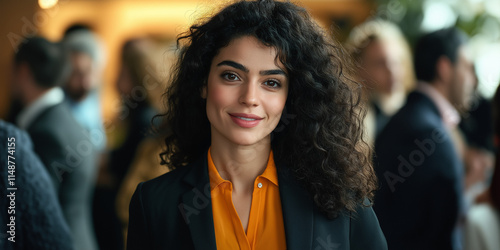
[32, 218]
[417, 160]
[62, 144]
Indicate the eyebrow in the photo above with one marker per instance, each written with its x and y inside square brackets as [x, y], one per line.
[245, 69]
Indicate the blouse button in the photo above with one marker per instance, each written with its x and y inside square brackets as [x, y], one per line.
[259, 185]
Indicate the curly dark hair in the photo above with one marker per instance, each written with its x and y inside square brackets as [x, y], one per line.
[323, 144]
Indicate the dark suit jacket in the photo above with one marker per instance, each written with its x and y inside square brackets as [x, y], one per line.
[70, 158]
[420, 178]
[174, 211]
[38, 220]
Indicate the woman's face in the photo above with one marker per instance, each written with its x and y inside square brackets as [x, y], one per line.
[382, 66]
[124, 83]
[246, 92]
[82, 78]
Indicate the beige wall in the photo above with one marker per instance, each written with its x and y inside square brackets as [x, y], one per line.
[16, 21]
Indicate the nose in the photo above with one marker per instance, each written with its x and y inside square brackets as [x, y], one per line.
[249, 94]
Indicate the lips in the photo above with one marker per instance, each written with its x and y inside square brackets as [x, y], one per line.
[245, 120]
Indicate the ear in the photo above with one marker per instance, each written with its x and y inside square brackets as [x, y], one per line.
[23, 74]
[444, 69]
[23, 68]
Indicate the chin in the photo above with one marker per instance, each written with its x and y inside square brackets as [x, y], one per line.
[246, 140]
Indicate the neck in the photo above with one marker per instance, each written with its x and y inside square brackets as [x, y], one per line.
[390, 103]
[441, 88]
[240, 164]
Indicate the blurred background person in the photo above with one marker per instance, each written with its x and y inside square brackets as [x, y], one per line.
[482, 227]
[134, 119]
[136, 85]
[40, 66]
[385, 67]
[476, 126]
[418, 163]
[145, 166]
[146, 163]
[82, 88]
[39, 222]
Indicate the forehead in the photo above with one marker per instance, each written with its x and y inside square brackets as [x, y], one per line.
[81, 59]
[80, 56]
[250, 52]
[373, 48]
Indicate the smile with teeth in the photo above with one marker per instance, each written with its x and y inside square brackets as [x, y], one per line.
[246, 120]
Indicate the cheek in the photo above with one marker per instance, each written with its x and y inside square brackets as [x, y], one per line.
[73, 81]
[275, 107]
[126, 86]
[219, 96]
[397, 70]
[380, 75]
[374, 74]
[465, 83]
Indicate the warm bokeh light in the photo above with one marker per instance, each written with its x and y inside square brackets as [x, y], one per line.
[47, 4]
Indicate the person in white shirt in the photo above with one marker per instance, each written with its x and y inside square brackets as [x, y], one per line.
[58, 139]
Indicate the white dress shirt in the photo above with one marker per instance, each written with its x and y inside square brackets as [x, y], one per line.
[449, 114]
[50, 98]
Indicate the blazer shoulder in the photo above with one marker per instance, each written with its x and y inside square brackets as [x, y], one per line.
[365, 231]
[418, 112]
[58, 123]
[156, 219]
[59, 113]
[169, 177]
[418, 120]
[167, 180]
[174, 183]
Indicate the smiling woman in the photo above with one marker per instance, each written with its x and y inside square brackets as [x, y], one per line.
[264, 139]
[246, 93]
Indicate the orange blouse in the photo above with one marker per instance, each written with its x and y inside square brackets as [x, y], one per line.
[265, 225]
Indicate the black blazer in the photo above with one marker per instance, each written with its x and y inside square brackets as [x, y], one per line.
[174, 211]
[420, 179]
[67, 152]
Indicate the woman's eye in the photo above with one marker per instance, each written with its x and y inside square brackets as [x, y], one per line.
[230, 77]
[272, 84]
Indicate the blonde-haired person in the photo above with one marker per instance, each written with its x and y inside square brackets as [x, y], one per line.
[385, 67]
[136, 84]
[146, 163]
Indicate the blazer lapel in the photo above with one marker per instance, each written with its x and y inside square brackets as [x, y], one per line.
[197, 207]
[298, 211]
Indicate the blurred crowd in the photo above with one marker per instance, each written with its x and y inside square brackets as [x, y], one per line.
[90, 167]
[434, 138]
